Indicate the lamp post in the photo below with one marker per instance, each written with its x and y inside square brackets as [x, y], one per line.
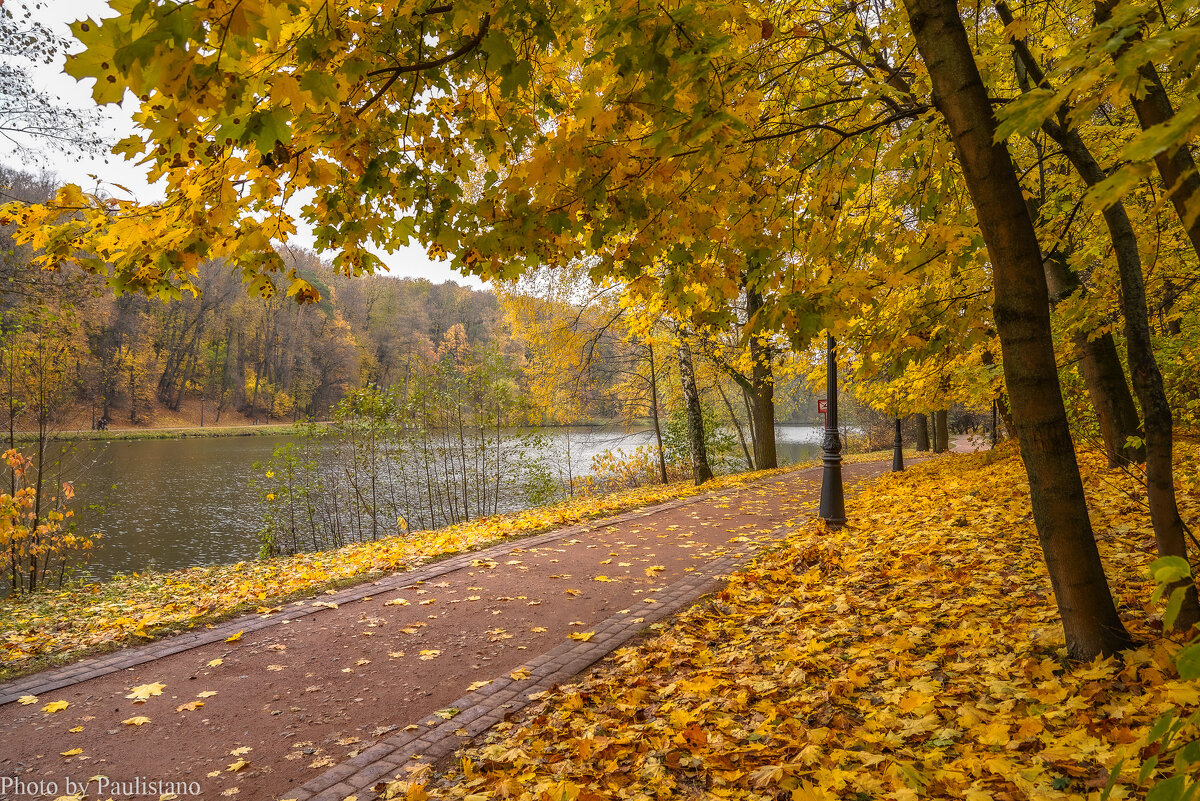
[833, 503]
[898, 450]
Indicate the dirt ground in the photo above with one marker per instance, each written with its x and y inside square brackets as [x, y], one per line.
[275, 708]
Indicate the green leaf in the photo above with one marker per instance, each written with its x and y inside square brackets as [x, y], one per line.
[1169, 569]
[1187, 662]
[1171, 789]
[321, 85]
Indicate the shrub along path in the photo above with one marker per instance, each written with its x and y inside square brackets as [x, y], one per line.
[325, 697]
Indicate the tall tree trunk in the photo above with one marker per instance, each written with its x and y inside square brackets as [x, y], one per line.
[1103, 375]
[941, 431]
[238, 379]
[701, 472]
[1147, 379]
[1022, 313]
[763, 383]
[662, 459]
[922, 432]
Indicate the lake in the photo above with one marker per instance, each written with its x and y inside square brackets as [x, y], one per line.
[169, 504]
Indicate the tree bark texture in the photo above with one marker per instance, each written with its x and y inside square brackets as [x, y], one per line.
[922, 432]
[941, 431]
[701, 471]
[1022, 312]
[763, 393]
[662, 459]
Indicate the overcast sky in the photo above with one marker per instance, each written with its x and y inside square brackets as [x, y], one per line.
[115, 170]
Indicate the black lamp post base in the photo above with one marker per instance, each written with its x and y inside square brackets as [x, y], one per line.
[898, 450]
[833, 501]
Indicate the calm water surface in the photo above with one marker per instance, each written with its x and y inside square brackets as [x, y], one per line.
[169, 504]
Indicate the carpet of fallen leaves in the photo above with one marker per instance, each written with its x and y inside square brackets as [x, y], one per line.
[916, 654]
[135, 608]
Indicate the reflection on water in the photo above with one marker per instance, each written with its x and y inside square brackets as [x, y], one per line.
[169, 504]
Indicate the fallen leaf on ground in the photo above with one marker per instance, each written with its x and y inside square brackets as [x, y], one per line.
[143, 692]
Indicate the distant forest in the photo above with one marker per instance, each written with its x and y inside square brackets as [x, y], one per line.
[224, 358]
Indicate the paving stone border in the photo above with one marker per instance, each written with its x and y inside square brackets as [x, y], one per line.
[102, 665]
[480, 710]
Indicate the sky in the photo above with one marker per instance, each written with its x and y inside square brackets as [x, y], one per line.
[85, 171]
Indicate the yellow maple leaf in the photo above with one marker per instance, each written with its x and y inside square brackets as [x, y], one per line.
[55, 706]
[206, 694]
[237, 765]
[190, 706]
[216, 662]
[430, 654]
[520, 674]
[72, 752]
[234, 637]
[140, 720]
[27, 699]
[582, 636]
[143, 692]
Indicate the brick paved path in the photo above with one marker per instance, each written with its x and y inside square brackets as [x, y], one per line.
[698, 540]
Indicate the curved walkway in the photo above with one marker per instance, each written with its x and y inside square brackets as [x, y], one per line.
[324, 698]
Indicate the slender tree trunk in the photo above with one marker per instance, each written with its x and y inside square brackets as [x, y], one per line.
[662, 459]
[922, 432]
[701, 472]
[737, 426]
[1147, 379]
[1099, 362]
[747, 396]
[764, 392]
[1022, 313]
[1103, 375]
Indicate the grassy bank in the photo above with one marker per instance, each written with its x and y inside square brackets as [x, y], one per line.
[184, 432]
[916, 653]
